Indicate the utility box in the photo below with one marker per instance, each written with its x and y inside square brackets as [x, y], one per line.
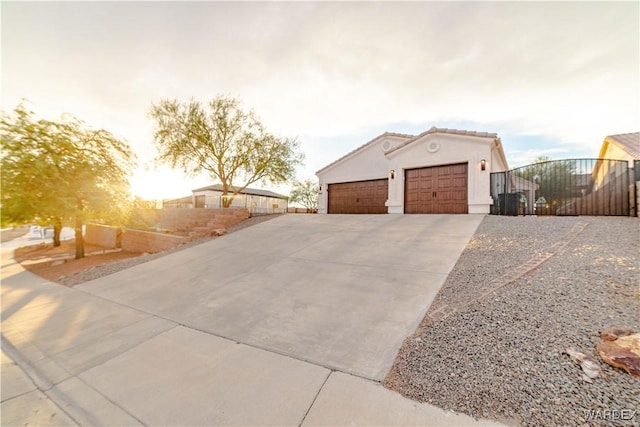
[509, 203]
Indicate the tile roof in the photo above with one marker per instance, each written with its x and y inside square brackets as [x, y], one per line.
[446, 130]
[629, 142]
[249, 191]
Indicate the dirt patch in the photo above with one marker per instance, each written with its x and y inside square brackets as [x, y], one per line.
[57, 263]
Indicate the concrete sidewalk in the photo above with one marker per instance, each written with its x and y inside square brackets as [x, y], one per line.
[71, 357]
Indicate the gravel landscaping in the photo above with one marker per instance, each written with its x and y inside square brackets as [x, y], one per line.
[502, 356]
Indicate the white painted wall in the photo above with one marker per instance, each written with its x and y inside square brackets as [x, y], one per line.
[434, 149]
[366, 163]
[444, 149]
[255, 204]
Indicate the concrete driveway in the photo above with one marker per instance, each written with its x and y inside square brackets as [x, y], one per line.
[338, 291]
[239, 331]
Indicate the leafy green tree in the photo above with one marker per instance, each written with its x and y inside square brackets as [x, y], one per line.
[223, 140]
[306, 193]
[61, 173]
[556, 180]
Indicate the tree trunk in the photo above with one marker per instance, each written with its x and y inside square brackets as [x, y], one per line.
[57, 229]
[79, 239]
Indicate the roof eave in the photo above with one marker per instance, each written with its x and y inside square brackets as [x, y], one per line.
[357, 150]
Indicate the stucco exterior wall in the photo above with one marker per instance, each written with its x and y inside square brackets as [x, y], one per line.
[435, 149]
[366, 164]
[444, 149]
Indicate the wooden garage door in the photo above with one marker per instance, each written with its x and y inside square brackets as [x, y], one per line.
[361, 197]
[437, 189]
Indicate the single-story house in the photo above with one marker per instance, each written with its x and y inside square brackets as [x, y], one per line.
[256, 200]
[182, 202]
[616, 147]
[608, 175]
[437, 171]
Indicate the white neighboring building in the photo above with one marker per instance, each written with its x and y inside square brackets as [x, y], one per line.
[437, 171]
[625, 147]
[256, 200]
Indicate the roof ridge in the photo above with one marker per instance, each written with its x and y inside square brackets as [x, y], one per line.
[434, 129]
[247, 190]
[624, 134]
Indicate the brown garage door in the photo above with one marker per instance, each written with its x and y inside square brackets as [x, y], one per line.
[361, 197]
[437, 189]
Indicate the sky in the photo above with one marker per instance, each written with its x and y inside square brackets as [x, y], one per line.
[551, 78]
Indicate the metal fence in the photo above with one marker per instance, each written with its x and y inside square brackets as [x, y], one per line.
[256, 204]
[565, 187]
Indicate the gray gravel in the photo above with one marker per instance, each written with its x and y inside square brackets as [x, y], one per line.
[502, 358]
[114, 267]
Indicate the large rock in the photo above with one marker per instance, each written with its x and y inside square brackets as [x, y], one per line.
[621, 349]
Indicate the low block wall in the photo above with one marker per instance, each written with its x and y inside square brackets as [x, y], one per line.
[300, 210]
[144, 241]
[103, 235]
[179, 219]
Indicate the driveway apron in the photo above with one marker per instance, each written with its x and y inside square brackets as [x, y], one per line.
[339, 291]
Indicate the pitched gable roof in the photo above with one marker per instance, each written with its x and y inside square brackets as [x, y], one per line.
[363, 146]
[629, 142]
[248, 191]
[409, 139]
[445, 130]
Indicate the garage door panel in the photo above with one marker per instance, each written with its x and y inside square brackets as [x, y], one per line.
[359, 197]
[412, 174]
[459, 196]
[460, 182]
[437, 189]
[425, 184]
[426, 173]
[444, 183]
[460, 169]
